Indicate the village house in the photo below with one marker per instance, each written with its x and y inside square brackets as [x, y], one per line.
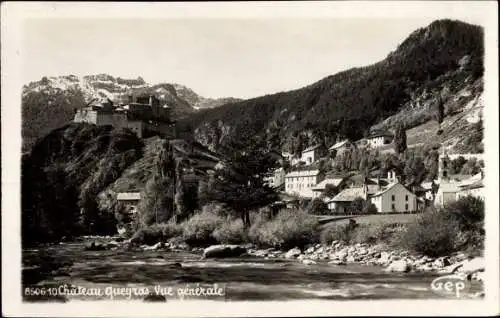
[341, 146]
[451, 189]
[342, 201]
[475, 189]
[394, 198]
[473, 186]
[129, 200]
[319, 188]
[311, 154]
[379, 138]
[145, 116]
[300, 183]
[380, 192]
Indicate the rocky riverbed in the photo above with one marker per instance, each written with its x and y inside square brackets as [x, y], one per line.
[247, 273]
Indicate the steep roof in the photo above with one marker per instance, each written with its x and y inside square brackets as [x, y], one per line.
[476, 185]
[311, 148]
[302, 173]
[340, 144]
[471, 180]
[322, 185]
[390, 186]
[348, 195]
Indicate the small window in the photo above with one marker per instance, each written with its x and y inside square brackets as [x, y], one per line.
[393, 197]
[406, 197]
[406, 207]
[393, 207]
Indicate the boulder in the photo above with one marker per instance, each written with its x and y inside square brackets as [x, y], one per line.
[308, 262]
[336, 262]
[293, 253]
[153, 247]
[385, 257]
[342, 255]
[260, 253]
[301, 257]
[351, 259]
[310, 250]
[220, 251]
[441, 262]
[95, 246]
[400, 266]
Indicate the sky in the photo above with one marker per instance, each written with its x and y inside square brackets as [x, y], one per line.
[215, 57]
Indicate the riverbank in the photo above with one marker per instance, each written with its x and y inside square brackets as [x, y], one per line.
[335, 254]
[245, 277]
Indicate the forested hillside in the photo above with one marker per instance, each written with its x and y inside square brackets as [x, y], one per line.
[71, 177]
[444, 54]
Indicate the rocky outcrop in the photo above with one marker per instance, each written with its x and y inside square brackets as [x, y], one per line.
[221, 251]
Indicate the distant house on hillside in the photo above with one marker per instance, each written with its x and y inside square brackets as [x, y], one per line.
[379, 138]
[300, 183]
[394, 198]
[341, 146]
[145, 116]
[311, 154]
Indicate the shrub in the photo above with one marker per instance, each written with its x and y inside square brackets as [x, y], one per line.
[369, 208]
[288, 229]
[468, 212]
[433, 234]
[198, 230]
[154, 233]
[230, 232]
[318, 207]
[338, 232]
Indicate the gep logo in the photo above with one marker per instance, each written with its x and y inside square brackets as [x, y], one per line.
[452, 285]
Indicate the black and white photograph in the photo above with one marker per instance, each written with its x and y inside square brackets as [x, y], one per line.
[310, 158]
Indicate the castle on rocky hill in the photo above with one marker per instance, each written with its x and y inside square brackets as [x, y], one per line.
[144, 116]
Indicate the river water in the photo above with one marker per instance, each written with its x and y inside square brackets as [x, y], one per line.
[246, 278]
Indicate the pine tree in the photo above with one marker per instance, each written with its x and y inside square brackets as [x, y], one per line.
[179, 192]
[440, 112]
[240, 183]
[400, 139]
[156, 203]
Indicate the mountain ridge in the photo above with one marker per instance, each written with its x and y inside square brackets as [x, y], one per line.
[50, 102]
[444, 55]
